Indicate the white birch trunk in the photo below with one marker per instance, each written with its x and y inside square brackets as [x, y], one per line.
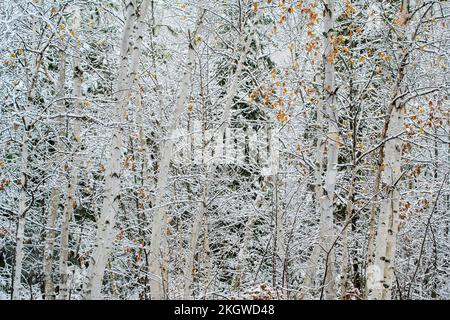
[195, 233]
[347, 224]
[387, 230]
[325, 189]
[392, 202]
[157, 252]
[20, 234]
[69, 207]
[381, 273]
[55, 194]
[110, 206]
[332, 151]
[77, 74]
[49, 246]
[70, 202]
[140, 153]
[372, 273]
[155, 266]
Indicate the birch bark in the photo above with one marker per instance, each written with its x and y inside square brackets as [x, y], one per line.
[21, 223]
[195, 233]
[157, 259]
[345, 252]
[110, 206]
[327, 151]
[55, 195]
[381, 271]
[71, 187]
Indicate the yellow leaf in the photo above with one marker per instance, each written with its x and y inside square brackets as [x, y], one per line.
[281, 116]
[197, 40]
[274, 74]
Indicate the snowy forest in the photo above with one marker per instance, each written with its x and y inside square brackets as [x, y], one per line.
[224, 149]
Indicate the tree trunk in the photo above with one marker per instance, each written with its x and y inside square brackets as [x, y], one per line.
[70, 203]
[195, 233]
[381, 272]
[110, 206]
[20, 233]
[326, 151]
[55, 195]
[157, 260]
[388, 220]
